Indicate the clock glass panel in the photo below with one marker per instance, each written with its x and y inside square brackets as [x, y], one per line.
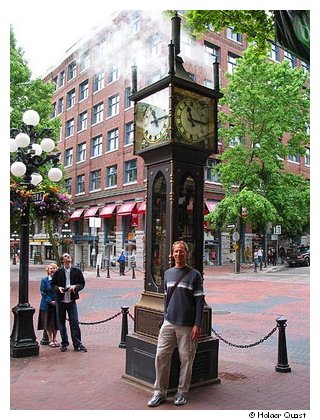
[194, 119]
[152, 120]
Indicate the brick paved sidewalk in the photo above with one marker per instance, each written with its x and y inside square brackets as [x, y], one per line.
[243, 311]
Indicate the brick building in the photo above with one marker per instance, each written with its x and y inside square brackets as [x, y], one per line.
[105, 178]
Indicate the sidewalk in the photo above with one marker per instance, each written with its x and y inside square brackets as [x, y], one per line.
[245, 307]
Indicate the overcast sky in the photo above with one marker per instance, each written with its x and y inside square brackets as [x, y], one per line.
[45, 30]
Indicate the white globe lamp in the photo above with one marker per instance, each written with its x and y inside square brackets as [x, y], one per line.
[31, 117]
[18, 168]
[47, 145]
[22, 140]
[55, 174]
[36, 179]
[13, 145]
[37, 149]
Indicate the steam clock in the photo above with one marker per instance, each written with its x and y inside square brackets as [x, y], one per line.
[175, 133]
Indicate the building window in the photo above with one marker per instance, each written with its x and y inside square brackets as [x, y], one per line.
[128, 133]
[60, 106]
[81, 152]
[154, 45]
[127, 93]
[83, 121]
[112, 140]
[307, 157]
[235, 36]
[290, 58]
[232, 62]
[208, 83]
[80, 184]
[68, 185]
[71, 98]
[72, 70]
[100, 49]
[294, 158]
[113, 74]
[130, 171]
[305, 66]
[53, 110]
[113, 105]
[84, 61]
[55, 82]
[135, 22]
[187, 42]
[68, 154]
[95, 180]
[154, 77]
[70, 128]
[209, 175]
[111, 176]
[211, 53]
[62, 76]
[96, 146]
[83, 90]
[235, 142]
[274, 53]
[97, 113]
[98, 81]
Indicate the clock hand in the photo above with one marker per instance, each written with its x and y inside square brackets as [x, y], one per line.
[153, 113]
[199, 122]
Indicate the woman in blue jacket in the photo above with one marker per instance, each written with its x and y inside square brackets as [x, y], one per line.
[47, 314]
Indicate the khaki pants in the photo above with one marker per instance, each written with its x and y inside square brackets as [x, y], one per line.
[170, 336]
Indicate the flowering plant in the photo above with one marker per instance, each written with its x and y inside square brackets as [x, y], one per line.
[55, 204]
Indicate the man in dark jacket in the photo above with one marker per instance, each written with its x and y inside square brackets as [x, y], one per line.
[67, 281]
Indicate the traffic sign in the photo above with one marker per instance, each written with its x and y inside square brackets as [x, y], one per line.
[231, 226]
[277, 230]
[236, 236]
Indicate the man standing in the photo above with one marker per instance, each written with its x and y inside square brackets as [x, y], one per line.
[183, 314]
[67, 281]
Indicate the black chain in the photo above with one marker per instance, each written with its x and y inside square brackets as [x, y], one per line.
[131, 316]
[245, 346]
[100, 322]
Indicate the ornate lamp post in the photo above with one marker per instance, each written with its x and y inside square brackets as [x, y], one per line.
[28, 145]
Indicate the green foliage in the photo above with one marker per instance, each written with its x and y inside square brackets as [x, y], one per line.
[258, 25]
[258, 208]
[268, 110]
[26, 93]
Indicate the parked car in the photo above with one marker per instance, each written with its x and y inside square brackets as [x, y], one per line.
[299, 256]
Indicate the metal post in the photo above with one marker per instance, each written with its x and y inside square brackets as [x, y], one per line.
[124, 328]
[108, 269]
[98, 271]
[282, 365]
[23, 342]
[133, 271]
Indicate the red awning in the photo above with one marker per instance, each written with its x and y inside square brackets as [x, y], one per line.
[142, 208]
[126, 208]
[76, 215]
[91, 212]
[108, 210]
[211, 205]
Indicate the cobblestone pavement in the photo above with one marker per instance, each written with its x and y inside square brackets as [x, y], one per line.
[245, 308]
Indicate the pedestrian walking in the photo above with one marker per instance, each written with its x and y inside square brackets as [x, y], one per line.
[183, 314]
[67, 281]
[47, 319]
[122, 263]
[260, 257]
[256, 260]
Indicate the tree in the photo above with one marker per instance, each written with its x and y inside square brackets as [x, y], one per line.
[34, 94]
[267, 113]
[258, 25]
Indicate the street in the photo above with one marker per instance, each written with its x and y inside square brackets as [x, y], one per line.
[244, 306]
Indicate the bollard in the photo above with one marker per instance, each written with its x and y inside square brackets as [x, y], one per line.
[108, 270]
[133, 272]
[282, 365]
[98, 271]
[124, 328]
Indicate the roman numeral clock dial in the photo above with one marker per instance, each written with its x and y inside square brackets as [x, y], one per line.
[193, 119]
[155, 124]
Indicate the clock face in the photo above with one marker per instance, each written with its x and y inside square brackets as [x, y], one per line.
[192, 119]
[151, 120]
[155, 124]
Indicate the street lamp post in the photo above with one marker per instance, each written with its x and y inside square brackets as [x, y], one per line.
[25, 164]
